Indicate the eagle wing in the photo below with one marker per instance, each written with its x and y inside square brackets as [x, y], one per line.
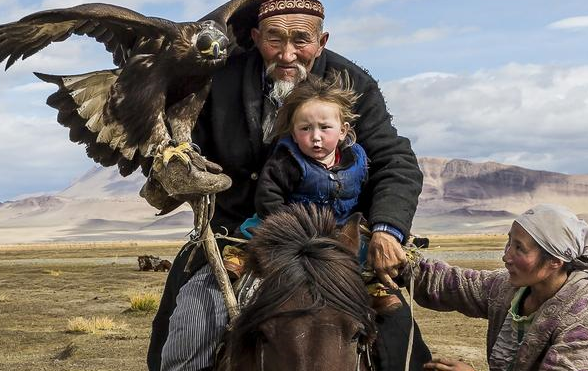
[118, 28]
[121, 115]
[118, 114]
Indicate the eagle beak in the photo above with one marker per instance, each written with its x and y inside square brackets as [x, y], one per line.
[211, 43]
[215, 49]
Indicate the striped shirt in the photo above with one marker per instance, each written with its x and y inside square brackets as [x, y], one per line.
[196, 325]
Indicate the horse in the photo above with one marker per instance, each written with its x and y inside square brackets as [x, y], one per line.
[311, 311]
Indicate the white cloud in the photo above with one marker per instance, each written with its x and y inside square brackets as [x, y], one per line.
[36, 154]
[528, 115]
[570, 23]
[372, 32]
[33, 87]
[197, 9]
[14, 9]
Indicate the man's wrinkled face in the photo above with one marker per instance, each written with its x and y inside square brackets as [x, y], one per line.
[288, 43]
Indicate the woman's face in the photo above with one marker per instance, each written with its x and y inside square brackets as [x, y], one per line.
[522, 259]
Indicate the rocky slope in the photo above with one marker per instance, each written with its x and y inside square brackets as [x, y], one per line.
[463, 196]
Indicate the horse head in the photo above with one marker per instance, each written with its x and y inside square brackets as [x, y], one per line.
[311, 311]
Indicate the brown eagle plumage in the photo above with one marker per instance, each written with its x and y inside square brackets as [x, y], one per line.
[125, 115]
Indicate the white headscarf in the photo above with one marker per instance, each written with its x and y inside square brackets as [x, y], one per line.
[557, 230]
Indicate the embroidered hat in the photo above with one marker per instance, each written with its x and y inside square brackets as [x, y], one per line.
[276, 7]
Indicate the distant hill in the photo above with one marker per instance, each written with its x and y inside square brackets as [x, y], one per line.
[466, 197]
[100, 205]
[458, 197]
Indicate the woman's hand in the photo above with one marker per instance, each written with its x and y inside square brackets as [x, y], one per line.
[445, 364]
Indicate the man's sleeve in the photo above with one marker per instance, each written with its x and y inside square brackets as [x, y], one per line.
[395, 180]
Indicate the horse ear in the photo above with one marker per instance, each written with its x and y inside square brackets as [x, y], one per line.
[349, 235]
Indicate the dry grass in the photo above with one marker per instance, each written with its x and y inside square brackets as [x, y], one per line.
[90, 249]
[111, 245]
[470, 242]
[93, 325]
[34, 309]
[53, 272]
[34, 316]
[145, 302]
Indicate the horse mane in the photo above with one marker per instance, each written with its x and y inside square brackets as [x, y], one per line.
[297, 249]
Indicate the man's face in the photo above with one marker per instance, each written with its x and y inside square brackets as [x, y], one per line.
[287, 40]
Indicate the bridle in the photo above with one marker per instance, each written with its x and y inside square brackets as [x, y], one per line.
[364, 350]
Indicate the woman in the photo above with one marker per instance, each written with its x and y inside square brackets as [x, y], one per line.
[537, 309]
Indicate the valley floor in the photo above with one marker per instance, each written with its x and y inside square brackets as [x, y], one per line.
[44, 286]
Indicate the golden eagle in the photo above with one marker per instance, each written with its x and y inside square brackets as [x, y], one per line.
[143, 112]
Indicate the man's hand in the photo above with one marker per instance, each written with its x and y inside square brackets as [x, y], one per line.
[444, 364]
[386, 257]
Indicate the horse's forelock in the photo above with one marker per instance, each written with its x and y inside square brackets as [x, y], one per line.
[296, 249]
[285, 234]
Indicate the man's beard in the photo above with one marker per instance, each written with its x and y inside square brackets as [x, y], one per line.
[282, 88]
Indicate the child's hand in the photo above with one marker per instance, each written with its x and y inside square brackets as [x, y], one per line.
[386, 256]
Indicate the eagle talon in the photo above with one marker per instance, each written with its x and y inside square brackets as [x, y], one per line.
[196, 181]
[165, 155]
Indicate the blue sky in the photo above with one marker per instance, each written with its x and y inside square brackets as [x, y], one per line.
[503, 81]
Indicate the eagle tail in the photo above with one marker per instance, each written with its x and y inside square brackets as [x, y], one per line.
[80, 101]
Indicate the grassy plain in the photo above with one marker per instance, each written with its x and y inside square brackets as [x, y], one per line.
[43, 288]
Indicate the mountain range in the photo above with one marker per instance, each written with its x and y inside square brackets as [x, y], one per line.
[458, 197]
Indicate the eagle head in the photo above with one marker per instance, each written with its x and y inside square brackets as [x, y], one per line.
[210, 42]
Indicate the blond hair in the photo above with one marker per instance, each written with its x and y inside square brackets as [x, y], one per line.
[336, 88]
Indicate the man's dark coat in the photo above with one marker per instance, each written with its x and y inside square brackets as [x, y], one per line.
[229, 133]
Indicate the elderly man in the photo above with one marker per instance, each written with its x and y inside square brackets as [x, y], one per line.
[233, 131]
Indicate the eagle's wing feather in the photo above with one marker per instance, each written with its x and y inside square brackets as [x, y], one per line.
[116, 27]
[80, 101]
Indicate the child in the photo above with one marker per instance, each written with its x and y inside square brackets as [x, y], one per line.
[315, 160]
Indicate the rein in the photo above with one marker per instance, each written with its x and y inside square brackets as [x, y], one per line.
[413, 257]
